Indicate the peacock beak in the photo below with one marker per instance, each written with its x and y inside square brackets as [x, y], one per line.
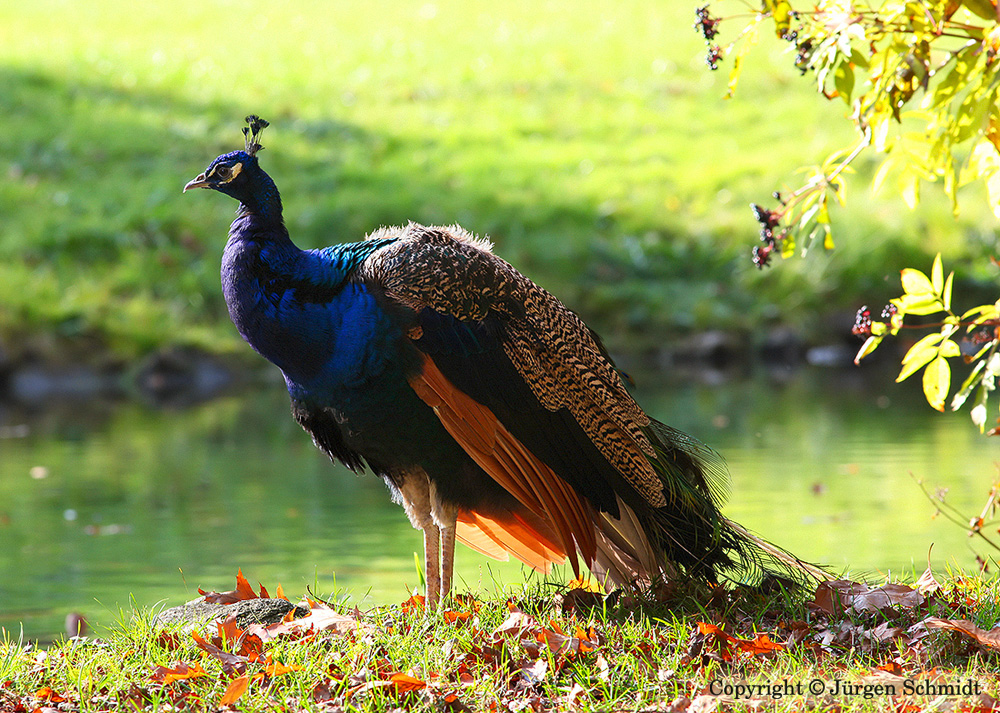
[199, 182]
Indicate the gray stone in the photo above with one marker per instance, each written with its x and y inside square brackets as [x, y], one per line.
[198, 613]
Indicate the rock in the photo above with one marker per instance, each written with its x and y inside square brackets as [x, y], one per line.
[198, 613]
[181, 377]
[38, 383]
[782, 345]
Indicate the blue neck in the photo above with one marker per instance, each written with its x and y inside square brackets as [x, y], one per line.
[294, 307]
[262, 201]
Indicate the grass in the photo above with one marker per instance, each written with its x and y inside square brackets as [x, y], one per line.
[537, 649]
[589, 140]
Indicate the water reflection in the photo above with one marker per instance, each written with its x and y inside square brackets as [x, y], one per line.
[96, 507]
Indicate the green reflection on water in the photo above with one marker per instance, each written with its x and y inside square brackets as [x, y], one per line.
[152, 505]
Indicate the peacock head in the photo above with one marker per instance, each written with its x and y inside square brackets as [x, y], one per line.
[238, 174]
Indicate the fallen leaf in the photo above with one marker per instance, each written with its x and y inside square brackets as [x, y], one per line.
[840, 595]
[990, 639]
[570, 699]
[887, 597]
[231, 663]
[179, 672]
[277, 668]
[452, 616]
[453, 704]
[321, 692]
[321, 617]
[414, 603]
[243, 591]
[760, 644]
[405, 683]
[517, 622]
[534, 673]
[47, 694]
[168, 641]
[236, 688]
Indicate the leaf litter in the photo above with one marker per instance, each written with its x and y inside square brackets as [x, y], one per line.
[543, 656]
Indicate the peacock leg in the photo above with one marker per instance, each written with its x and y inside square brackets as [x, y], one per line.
[432, 565]
[445, 515]
[414, 491]
[447, 559]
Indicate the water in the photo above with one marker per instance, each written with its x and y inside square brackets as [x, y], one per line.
[100, 508]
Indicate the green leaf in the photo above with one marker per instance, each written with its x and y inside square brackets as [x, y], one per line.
[937, 381]
[843, 80]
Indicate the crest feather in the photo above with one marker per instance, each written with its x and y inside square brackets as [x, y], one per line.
[252, 131]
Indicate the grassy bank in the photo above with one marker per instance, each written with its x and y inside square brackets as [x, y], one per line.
[851, 647]
[589, 140]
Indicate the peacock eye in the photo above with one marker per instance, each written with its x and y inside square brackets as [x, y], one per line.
[223, 172]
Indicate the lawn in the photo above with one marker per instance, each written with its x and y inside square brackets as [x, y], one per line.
[846, 647]
[589, 140]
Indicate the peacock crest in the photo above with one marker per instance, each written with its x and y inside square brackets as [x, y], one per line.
[252, 131]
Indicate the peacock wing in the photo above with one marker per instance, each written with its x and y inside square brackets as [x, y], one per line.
[515, 374]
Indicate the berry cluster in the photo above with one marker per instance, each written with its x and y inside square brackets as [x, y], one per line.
[769, 220]
[709, 28]
[863, 322]
[713, 57]
[803, 56]
[706, 24]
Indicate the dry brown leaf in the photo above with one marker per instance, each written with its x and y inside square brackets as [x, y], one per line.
[231, 663]
[321, 617]
[927, 584]
[990, 639]
[517, 622]
[840, 595]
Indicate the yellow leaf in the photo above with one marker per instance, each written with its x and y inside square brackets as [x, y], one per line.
[937, 381]
[915, 282]
[937, 275]
[867, 348]
[909, 189]
[918, 355]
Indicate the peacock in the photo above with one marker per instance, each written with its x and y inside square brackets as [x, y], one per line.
[492, 412]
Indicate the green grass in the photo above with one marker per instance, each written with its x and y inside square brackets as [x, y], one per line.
[589, 140]
[524, 649]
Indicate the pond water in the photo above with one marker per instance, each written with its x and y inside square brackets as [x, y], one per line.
[103, 508]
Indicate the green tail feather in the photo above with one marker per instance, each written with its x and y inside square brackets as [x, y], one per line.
[692, 531]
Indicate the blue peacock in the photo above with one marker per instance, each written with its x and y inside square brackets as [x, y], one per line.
[491, 411]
